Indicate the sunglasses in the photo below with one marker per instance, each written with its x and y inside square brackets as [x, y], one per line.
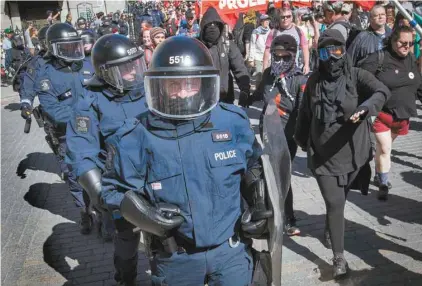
[190, 18]
[405, 44]
[285, 17]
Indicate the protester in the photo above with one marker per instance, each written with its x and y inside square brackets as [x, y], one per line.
[397, 69]
[147, 46]
[28, 37]
[257, 47]
[158, 35]
[332, 127]
[370, 41]
[285, 25]
[283, 83]
[226, 57]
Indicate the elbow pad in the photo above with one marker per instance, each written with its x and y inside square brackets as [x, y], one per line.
[158, 221]
[91, 183]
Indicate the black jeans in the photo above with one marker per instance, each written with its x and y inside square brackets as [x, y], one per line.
[334, 190]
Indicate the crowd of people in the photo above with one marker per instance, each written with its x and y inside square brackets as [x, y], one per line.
[148, 136]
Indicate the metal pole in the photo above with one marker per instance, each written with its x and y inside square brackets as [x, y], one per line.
[408, 17]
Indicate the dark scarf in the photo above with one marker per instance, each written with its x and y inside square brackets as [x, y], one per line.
[333, 86]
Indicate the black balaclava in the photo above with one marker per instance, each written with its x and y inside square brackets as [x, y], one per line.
[212, 33]
[332, 68]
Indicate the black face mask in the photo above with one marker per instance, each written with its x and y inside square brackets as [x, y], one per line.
[212, 34]
[332, 68]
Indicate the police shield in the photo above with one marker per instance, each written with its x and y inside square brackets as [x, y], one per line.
[277, 171]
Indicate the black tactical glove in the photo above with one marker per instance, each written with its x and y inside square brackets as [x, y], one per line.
[26, 111]
[158, 221]
[244, 99]
[254, 219]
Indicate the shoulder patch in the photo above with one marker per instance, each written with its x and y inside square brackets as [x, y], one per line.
[45, 84]
[221, 136]
[82, 124]
[233, 108]
[30, 71]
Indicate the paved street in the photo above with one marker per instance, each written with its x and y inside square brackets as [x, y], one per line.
[41, 244]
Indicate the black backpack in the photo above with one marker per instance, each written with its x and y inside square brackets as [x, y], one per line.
[352, 29]
[238, 38]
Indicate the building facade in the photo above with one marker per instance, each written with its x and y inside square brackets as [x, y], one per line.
[16, 14]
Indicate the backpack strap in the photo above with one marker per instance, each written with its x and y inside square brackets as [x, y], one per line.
[381, 56]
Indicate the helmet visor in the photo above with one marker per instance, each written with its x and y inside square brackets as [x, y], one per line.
[72, 51]
[336, 52]
[125, 76]
[177, 97]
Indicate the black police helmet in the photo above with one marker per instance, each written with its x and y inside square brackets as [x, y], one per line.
[182, 82]
[64, 42]
[173, 58]
[106, 21]
[61, 32]
[112, 54]
[81, 21]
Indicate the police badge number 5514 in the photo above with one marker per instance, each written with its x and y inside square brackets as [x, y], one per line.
[179, 59]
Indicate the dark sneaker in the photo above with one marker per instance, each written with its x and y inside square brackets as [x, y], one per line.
[377, 182]
[340, 267]
[327, 239]
[383, 193]
[86, 224]
[291, 228]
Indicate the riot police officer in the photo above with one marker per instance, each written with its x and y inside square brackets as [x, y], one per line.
[57, 85]
[114, 94]
[81, 25]
[29, 73]
[88, 40]
[176, 171]
[106, 27]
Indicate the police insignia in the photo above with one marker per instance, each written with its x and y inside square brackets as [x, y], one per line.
[45, 85]
[31, 71]
[87, 72]
[221, 136]
[82, 124]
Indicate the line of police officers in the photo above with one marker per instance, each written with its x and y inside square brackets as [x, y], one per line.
[166, 157]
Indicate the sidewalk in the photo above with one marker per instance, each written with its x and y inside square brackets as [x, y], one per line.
[41, 244]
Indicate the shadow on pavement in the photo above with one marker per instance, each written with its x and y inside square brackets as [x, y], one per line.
[80, 259]
[397, 207]
[13, 106]
[364, 243]
[416, 125]
[413, 178]
[38, 161]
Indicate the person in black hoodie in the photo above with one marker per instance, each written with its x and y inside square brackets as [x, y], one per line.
[226, 57]
[333, 126]
[284, 83]
[396, 67]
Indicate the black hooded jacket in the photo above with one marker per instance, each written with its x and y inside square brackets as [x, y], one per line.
[339, 147]
[226, 57]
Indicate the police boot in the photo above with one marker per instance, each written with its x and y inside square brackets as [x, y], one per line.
[86, 223]
[340, 266]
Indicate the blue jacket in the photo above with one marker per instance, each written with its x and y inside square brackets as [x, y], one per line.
[196, 165]
[97, 115]
[58, 88]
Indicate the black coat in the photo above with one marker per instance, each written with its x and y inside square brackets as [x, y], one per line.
[226, 57]
[341, 147]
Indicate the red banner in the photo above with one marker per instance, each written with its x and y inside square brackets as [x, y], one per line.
[229, 9]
